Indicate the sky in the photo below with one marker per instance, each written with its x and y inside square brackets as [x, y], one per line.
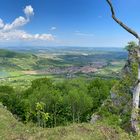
[83, 23]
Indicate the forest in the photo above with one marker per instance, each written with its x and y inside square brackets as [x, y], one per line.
[50, 104]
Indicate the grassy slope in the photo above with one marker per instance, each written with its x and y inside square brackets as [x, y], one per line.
[11, 128]
[11, 60]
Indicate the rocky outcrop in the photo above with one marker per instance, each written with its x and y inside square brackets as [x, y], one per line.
[120, 100]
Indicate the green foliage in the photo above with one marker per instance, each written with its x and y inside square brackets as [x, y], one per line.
[79, 103]
[50, 104]
[41, 116]
[131, 46]
[99, 91]
[5, 94]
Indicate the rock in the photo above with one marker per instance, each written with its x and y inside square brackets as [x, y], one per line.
[94, 118]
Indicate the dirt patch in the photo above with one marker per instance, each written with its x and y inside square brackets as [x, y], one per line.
[31, 72]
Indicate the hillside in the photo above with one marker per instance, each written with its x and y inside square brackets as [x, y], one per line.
[11, 128]
[12, 60]
[11, 54]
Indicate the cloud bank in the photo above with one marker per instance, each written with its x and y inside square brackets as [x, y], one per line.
[11, 31]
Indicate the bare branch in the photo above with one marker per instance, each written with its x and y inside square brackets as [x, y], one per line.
[120, 22]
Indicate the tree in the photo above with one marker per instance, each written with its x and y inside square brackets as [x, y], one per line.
[44, 90]
[42, 117]
[79, 102]
[131, 46]
[99, 89]
[136, 91]
[5, 94]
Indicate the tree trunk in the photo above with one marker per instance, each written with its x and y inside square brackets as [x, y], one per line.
[78, 115]
[55, 115]
[136, 94]
[73, 114]
[135, 109]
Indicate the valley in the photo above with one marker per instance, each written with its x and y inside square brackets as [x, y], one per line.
[20, 66]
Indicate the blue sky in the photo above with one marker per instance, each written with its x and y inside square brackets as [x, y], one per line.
[66, 22]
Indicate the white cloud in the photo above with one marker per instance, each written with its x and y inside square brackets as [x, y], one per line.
[10, 32]
[18, 22]
[22, 35]
[44, 37]
[53, 28]
[29, 11]
[1, 23]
